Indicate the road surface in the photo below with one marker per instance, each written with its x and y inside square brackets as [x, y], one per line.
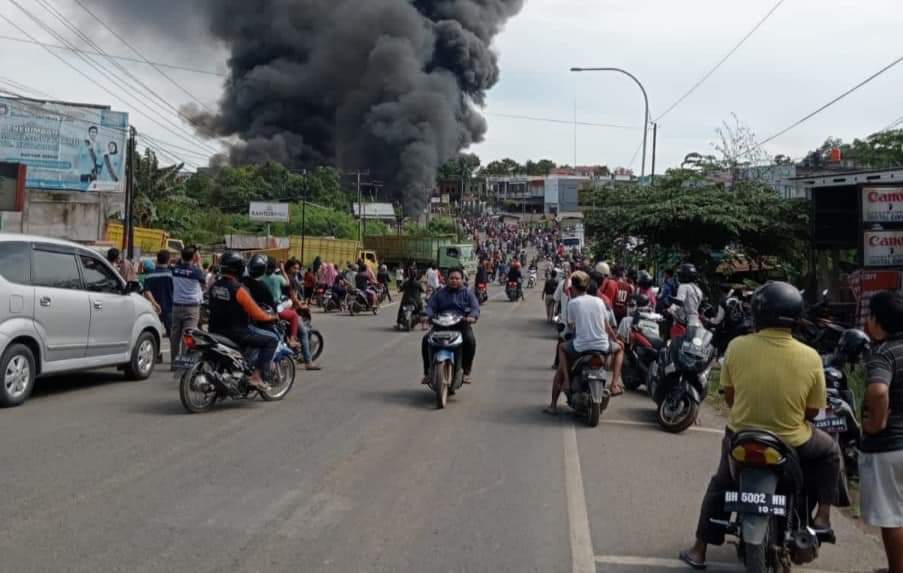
[356, 471]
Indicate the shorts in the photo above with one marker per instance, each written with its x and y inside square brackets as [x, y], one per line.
[881, 485]
[573, 353]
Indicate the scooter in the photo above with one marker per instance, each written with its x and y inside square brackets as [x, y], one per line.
[357, 302]
[589, 393]
[215, 368]
[642, 348]
[678, 380]
[482, 293]
[408, 317]
[531, 279]
[446, 361]
[514, 292]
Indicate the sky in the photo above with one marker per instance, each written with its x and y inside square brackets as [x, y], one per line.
[804, 55]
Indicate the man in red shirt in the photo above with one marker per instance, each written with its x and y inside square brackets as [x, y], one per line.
[618, 291]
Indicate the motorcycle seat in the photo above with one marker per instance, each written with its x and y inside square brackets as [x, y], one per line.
[657, 343]
[224, 341]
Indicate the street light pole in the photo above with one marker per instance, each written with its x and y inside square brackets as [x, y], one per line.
[645, 98]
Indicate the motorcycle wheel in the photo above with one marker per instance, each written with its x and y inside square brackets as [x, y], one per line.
[283, 380]
[196, 401]
[679, 423]
[316, 344]
[443, 380]
[592, 414]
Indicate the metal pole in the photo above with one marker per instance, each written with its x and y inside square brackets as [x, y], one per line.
[303, 227]
[654, 147]
[360, 211]
[128, 236]
[645, 99]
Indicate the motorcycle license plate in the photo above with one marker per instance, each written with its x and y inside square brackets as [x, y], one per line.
[831, 423]
[184, 363]
[755, 503]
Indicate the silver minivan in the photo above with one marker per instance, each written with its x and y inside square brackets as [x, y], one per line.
[63, 308]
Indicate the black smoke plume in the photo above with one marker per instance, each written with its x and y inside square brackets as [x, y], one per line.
[388, 86]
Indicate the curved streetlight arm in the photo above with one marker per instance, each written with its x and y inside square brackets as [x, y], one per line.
[645, 99]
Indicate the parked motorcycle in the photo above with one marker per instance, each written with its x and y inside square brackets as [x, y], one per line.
[514, 292]
[818, 328]
[446, 360]
[531, 279]
[356, 301]
[215, 368]
[642, 347]
[732, 318]
[482, 293]
[772, 510]
[678, 380]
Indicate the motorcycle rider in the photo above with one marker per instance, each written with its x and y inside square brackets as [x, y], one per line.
[411, 294]
[690, 297]
[587, 318]
[515, 275]
[232, 309]
[454, 298]
[364, 281]
[548, 293]
[382, 277]
[772, 382]
[262, 294]
[644, 284]
[618, 291]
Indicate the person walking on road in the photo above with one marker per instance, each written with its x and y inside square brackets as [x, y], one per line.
[188, 281]
[881, 455]
[159, 283]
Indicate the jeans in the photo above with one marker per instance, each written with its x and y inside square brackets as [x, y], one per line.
[469, 348]
[304, 331]
[183, 318]
[820, 458]
[264, 341]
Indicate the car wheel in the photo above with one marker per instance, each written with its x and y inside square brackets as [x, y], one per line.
[17, 368]
[144, 357]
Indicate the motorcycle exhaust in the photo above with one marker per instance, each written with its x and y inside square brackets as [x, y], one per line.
[803, 546]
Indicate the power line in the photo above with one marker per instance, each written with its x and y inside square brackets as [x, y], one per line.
[721, 61]
[562, 121]
[169, 145]
[140, 55]
[179, 131]
[832, 102]
[123, 58]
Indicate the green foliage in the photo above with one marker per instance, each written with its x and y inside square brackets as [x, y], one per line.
[462, 167]
[506, 166]
[684, 216]
[541, 167]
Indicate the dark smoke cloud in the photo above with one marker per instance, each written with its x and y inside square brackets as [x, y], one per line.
[384, 85]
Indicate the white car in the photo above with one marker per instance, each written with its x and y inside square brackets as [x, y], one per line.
[63, 308]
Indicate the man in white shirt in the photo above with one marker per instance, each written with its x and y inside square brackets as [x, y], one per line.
[432, 279]
[587, 317]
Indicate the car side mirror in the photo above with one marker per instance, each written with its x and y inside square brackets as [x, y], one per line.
[132, 287]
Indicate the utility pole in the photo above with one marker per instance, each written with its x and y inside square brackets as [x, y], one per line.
[654, 144]
[128, 236]
[360, 212]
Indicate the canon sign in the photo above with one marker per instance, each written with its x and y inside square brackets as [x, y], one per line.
[883, 248]
[882, 205]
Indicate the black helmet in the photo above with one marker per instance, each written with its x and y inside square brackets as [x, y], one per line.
[257, 266]
[270, 265]
[852, 345]
[231, 263]
[687, 273]
[644, 280]
[776, 305]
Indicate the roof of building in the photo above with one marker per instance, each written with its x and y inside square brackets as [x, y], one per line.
[374, 210]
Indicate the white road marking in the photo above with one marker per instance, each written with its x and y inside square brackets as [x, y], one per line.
[659, 563]
[582, 556]
[651, 425]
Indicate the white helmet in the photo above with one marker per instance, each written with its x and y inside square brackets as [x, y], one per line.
[603, 269]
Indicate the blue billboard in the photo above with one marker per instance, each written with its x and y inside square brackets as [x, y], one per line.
[65, 146]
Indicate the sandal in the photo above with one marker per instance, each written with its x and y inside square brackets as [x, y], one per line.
[617, 391]
[548, 410]
[685, 557]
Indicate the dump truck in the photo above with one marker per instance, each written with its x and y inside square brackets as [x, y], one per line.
[338, 251]
[147, 242]
[401, 251]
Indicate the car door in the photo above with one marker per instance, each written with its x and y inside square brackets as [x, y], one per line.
[112, 311]
[61, 309]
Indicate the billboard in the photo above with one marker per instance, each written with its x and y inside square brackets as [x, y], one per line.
[65, 146]
[269, 212]
[882, 204]
[883, 249]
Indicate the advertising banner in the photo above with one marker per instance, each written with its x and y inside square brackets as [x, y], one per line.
[66, 147]
[882, 204]
[883, 249]
[269, 212]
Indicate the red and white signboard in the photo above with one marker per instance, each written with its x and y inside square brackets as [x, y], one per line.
[882, 204]
[883, 249]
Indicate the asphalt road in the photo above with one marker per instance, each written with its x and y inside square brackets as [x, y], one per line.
[356, 471]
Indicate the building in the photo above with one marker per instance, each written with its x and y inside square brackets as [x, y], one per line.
[375, 211]
[777, 177]
[549, 195]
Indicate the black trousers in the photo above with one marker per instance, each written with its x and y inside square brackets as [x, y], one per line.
[469, 348]
[820, 458]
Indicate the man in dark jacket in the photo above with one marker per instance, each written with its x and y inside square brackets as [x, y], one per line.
[454, 298]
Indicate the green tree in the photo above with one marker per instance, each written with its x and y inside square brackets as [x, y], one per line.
[153, 184]
[880, 150]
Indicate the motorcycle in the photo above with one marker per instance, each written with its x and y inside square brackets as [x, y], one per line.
[589, 392]
[732, 318]
[446, 361]
[321, 295]
[513, 291]
[408, 318]
[482, 293]
[332, 302]
[839, 418]
[642, 347]
[772, 510]
[678, 380]
[818, 329]
[356, 301]
[531, 279]
[215, 368]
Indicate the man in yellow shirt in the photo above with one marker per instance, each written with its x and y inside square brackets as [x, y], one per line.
[772, 382]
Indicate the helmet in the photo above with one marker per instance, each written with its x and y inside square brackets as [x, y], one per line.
[270, 265]
[641, 300]
[231, 263]
[257, 266]
[149, 266]
[852, 344]
[687, 273]
[776, 305]
[383, 268]
[603, 269]
[644, 280]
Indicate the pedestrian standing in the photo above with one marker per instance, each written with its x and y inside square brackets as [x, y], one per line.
[310, 283]
[159, 283]
[188, 281]
[881, 455]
